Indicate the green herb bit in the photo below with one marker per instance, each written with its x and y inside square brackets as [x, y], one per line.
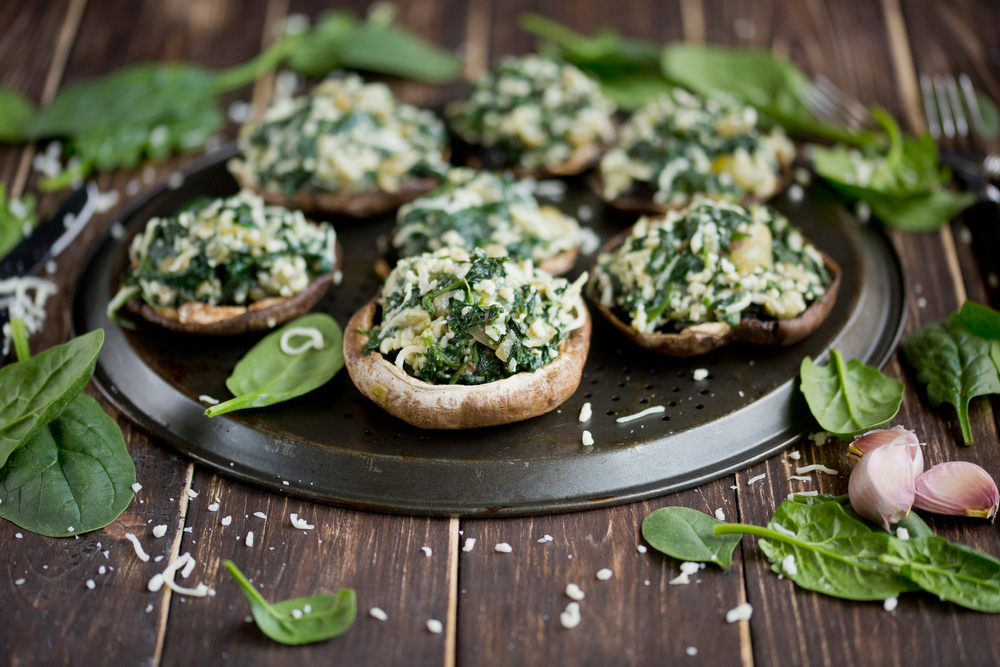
[267, 375]
[686, 534]
[301, 620]
[849, 398]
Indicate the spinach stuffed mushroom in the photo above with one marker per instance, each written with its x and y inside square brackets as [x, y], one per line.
[496, 213]
[228, 266]
[533, 115]
[459, 340]
[346, 148]
[679, 146]
[712, 274]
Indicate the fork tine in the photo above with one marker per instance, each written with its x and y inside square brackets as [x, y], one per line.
[817, 103]
[961, 125]
[853, 109]
[947, 125]
[930, 110]
[970, 100]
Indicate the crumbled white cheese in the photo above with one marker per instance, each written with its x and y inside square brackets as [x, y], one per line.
[788, 565]
[19, 581]
[794, 455]
[377, 613]
[503, 548]
[427, 551]
[756, 478]
[227, 520]
[301, 524]
[574, 593]
[719, 514]
[296, 614]
[90, 584]
[159, 531]
[902, 533]
[801, 478]
[143, 556]
[641, 548]
[470, 544]
[545, 538]
[191, 493]
[741, 612]
[585, 412]
[656, 409]
[699, 374]
[817, 467]
[570, 618]
[802, 493]
[890, 604]
[585, 213]
[604, 574]
[102, 570]
[687, 569]
[587, 439]
[820, 438]
[796, 193]
[435, 626]
[214, 507]
[149, 607]
[208, 400]
[260, 515]
[249, 538]
[691, 650]
[314, 340]
[137, 487]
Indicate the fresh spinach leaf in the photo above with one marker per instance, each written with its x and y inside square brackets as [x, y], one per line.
[953, 572]
[916, 526]
[995, 354]
[34, 391]
[980, 320]
[632, 91]
[849, 398]
[317, 52]
[955, 365]
[686, 534]
[74, 476]
[15, 114]
[301, 620]
[920, 213]
[266, 375]
[834, 554]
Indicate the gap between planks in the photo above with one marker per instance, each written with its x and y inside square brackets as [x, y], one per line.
[64, 44]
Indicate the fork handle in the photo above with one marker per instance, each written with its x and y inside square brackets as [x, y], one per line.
[983, 221]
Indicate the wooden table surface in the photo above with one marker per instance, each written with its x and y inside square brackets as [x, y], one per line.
[497, 609]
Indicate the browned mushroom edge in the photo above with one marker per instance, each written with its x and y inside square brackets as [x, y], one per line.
[433, 406]
[205, 320]
[388, 256]
[646, 206]
[702, 338]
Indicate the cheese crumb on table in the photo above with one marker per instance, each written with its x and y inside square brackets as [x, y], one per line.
[741, 612]
[794, 455]
[192, 493]
[687, 569]
[757, 478]
[720, 515]
[90, 584]
[137, 487]
[301, 524]
[571, 617]
[604, 574]
[427, 551]
[214, 507]
[699, 374]
[160, 531]
[435, 626]
[260, 515]
[816, 467]
[503, 548]
[143, 556]
[574, 593]
[470, 544]
[375, 612]
[641, 548]
[691, 650]
[227, 520]
[890, 604]
[249, 538]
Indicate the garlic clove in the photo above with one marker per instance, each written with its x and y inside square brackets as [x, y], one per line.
[897, 435]
[958, 488]
[881, 487]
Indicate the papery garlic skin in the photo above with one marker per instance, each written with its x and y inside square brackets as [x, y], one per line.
[958, 488]
[896, 435]
[882, 484]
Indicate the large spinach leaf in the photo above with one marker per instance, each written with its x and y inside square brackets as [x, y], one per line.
[267, 375]
[302, 620]
[848, 398]
[75, 475]
[953, 572]
[955, 365]
[833, 553]
[34, 391]
[686, 534]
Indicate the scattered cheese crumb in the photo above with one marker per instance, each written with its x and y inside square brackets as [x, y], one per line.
[586, 412]
[742, 612]
[545, 538]
[503, 548]
[890, 604]
[863, 210]
[788, 565]
[691, 650]
[160, 531]
[375, 612]
[18, 535]
[249, 538]
[604, 574]
[574, 593]
[214, 507]
[192, 493]
[137, 487]
[470, 544]
[794, 455]
[227, 520]
[641, 548]
[699, 374]
[757, 478]
[801, 478]
[175, 181]
[820, 438]
[301, 524]
[656, 409]
[427, 551]
[435, 626]
[90, 584]
[143, 556]
[70, 529]
[283, 482]
[796, 193]
[720, 515]
[585, 213]
[205, 398]
[802, 493]
[18, 582]
[296, 614]
[817, 467]
[260, 515]
[902, 533]
[587, 439]
[571, 617]
[687, 569]
[149, 607]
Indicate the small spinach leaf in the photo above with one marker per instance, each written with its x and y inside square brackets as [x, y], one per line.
[686, 534]
[266, 375]
[849, 398]
[833, 553]
[955, 365]
[34, 391]
[74, 476]
[953, 572]
[15, 114]
[980, 320]
[328, 615]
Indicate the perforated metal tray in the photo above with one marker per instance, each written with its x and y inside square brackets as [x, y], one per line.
[335, 446]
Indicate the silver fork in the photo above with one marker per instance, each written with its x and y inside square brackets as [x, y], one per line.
[947, 122]
[829, 103]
